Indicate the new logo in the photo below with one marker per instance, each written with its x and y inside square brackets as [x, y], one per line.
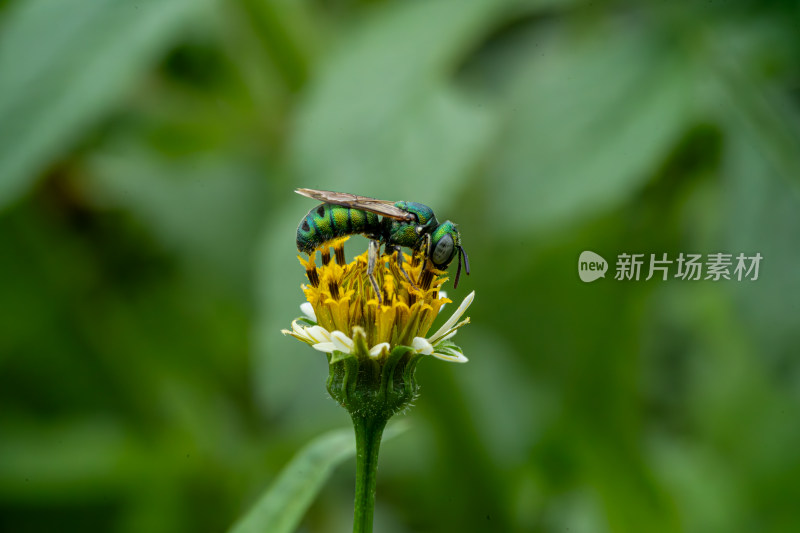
[591, 266]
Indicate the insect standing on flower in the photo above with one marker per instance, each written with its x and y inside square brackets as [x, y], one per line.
[403, 224]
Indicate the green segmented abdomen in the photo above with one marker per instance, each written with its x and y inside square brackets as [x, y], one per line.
[327, 222]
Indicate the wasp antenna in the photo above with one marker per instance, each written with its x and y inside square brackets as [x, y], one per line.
[466, 259]
[458, 272]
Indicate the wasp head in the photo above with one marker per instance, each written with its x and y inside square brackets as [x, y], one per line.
[445, 244]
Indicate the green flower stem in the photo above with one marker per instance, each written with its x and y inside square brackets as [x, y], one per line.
[372, 390]
[369, 430]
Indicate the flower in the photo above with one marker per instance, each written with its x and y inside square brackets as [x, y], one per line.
[374, 330]
[343, 316]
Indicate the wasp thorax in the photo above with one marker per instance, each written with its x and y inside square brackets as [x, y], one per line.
[403, 234]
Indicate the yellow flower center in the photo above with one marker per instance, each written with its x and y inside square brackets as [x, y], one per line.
[343, 297]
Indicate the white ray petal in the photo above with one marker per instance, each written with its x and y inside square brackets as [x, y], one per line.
[301, 332]
[442, 294]
[449, 335]
[422, 346]
[455, 357]
[326, 347]
[342, 342]
[453, 319]
[318, 334]
[308, 310]
[378, 349]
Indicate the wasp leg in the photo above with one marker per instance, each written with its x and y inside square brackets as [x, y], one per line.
[426, 272]
[426, 244]
[399, 251]
[372, 259]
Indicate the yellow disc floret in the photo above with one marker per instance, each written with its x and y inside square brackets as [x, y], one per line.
[344, 298]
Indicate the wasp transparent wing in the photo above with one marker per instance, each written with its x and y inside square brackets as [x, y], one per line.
[365, 203]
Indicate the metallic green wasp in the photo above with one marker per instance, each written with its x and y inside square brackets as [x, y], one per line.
[403, 224]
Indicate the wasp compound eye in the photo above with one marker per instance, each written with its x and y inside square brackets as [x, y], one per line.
[443, 251]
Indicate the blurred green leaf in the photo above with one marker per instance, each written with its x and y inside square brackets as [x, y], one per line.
[761, 216]
[64, 65]
[381, 111]
[704, 486]
[68, 460]
[590, 115]
[221, 203]
[283, 505]
[749, 102]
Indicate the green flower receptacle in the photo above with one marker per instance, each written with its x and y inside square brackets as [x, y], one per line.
[374, 387]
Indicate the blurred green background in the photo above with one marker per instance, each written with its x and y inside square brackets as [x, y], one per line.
[148, 153]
